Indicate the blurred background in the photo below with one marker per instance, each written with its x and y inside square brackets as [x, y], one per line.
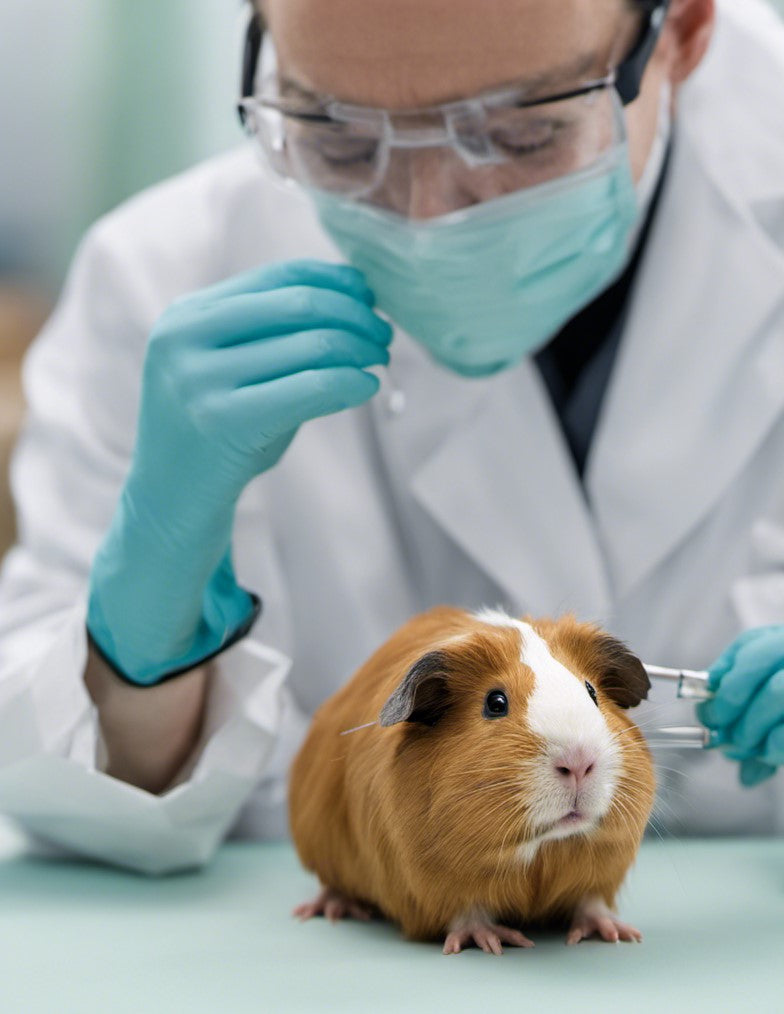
[98, 99]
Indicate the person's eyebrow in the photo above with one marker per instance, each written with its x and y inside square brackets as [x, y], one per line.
[552, 80]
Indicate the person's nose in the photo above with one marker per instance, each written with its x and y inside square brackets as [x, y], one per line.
[433, 189]
[426, 182]
[574, 764]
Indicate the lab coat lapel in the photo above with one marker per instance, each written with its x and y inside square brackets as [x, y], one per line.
[699, 378]
[486, 459]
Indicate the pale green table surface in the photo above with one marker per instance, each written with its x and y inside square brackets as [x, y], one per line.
[78, 937]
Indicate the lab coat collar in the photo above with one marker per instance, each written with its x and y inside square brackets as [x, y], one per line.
[696, 386]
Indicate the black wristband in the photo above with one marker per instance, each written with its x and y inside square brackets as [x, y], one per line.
[237, 635]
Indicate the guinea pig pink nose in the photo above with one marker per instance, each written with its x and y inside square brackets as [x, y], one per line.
[577, 761]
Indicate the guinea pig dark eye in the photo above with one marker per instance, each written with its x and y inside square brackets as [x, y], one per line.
[496, 704]
[591, 693]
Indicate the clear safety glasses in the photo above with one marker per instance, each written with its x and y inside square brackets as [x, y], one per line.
[357, 151]
[354, 151]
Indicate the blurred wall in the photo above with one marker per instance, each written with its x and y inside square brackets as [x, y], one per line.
[99, 98]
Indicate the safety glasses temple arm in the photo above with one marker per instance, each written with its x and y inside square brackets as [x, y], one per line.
[629, 73]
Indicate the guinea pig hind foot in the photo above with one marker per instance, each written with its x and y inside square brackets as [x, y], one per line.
[334, 905]
[593, 916]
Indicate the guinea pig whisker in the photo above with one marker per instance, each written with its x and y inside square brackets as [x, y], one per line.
[476, 789]
[625, 731]
[664, 816]
[617, 733]
[672, 789]
[513, 823]
[626, 814]
[628, 780]
[620, 804]
[658, 798]
[647, 706]
[662, 801]
[509, 765]
[643, 720]
[658, 828]
[504, 807]
[510, 769]
[356, 727]
[468, 854]
[666, 767]
[651, 705]
[507, 827]
[652, 721]
[631, 728]
[653, 823]
[673, 837]
[651, 716]
[616, 736]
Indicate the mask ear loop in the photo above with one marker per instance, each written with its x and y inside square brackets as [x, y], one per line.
[650, 177]
[646, 187]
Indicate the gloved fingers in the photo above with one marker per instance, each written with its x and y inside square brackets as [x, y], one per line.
[256, 316]
[754, 771]
[726, 660]
[764, 712]
[755, 662]
[259, 362]
[281, 274]
[258, 414]
[773, 749]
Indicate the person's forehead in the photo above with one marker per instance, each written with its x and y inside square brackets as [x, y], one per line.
[400, 53]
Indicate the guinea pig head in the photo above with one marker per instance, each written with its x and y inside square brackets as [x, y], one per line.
[518, 729]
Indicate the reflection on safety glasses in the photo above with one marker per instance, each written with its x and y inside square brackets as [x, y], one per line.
[355, 151]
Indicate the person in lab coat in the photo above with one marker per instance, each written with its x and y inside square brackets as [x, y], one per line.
[223, 510]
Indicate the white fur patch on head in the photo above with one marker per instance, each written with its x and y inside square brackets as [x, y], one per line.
[559, 709]
[562, 713]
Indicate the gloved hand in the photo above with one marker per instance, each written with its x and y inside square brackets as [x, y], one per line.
[748, 709]
[230, 374]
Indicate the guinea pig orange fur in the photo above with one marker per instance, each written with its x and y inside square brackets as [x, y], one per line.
[458, 815]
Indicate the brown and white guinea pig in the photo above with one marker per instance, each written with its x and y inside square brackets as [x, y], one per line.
[500, 783]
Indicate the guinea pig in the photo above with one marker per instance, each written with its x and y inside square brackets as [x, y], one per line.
[477, 775]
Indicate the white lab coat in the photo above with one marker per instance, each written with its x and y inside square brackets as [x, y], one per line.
[466, 493]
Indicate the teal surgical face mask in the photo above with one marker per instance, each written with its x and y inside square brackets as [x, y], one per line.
[489, 284]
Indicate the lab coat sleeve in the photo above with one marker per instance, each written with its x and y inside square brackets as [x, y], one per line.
[81, 380]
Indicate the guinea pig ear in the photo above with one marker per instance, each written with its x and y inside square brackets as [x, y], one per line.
[623, 678]
[423, 695]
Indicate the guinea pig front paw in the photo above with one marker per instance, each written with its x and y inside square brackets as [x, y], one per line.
[486, 935]
[334, 905]
[593, 916]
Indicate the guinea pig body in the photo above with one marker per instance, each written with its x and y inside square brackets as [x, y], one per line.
[501, 784]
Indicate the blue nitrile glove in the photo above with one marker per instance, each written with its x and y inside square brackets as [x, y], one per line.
[230, 373]
[748, 709]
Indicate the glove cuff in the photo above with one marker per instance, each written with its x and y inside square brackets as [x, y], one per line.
[195, 657]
